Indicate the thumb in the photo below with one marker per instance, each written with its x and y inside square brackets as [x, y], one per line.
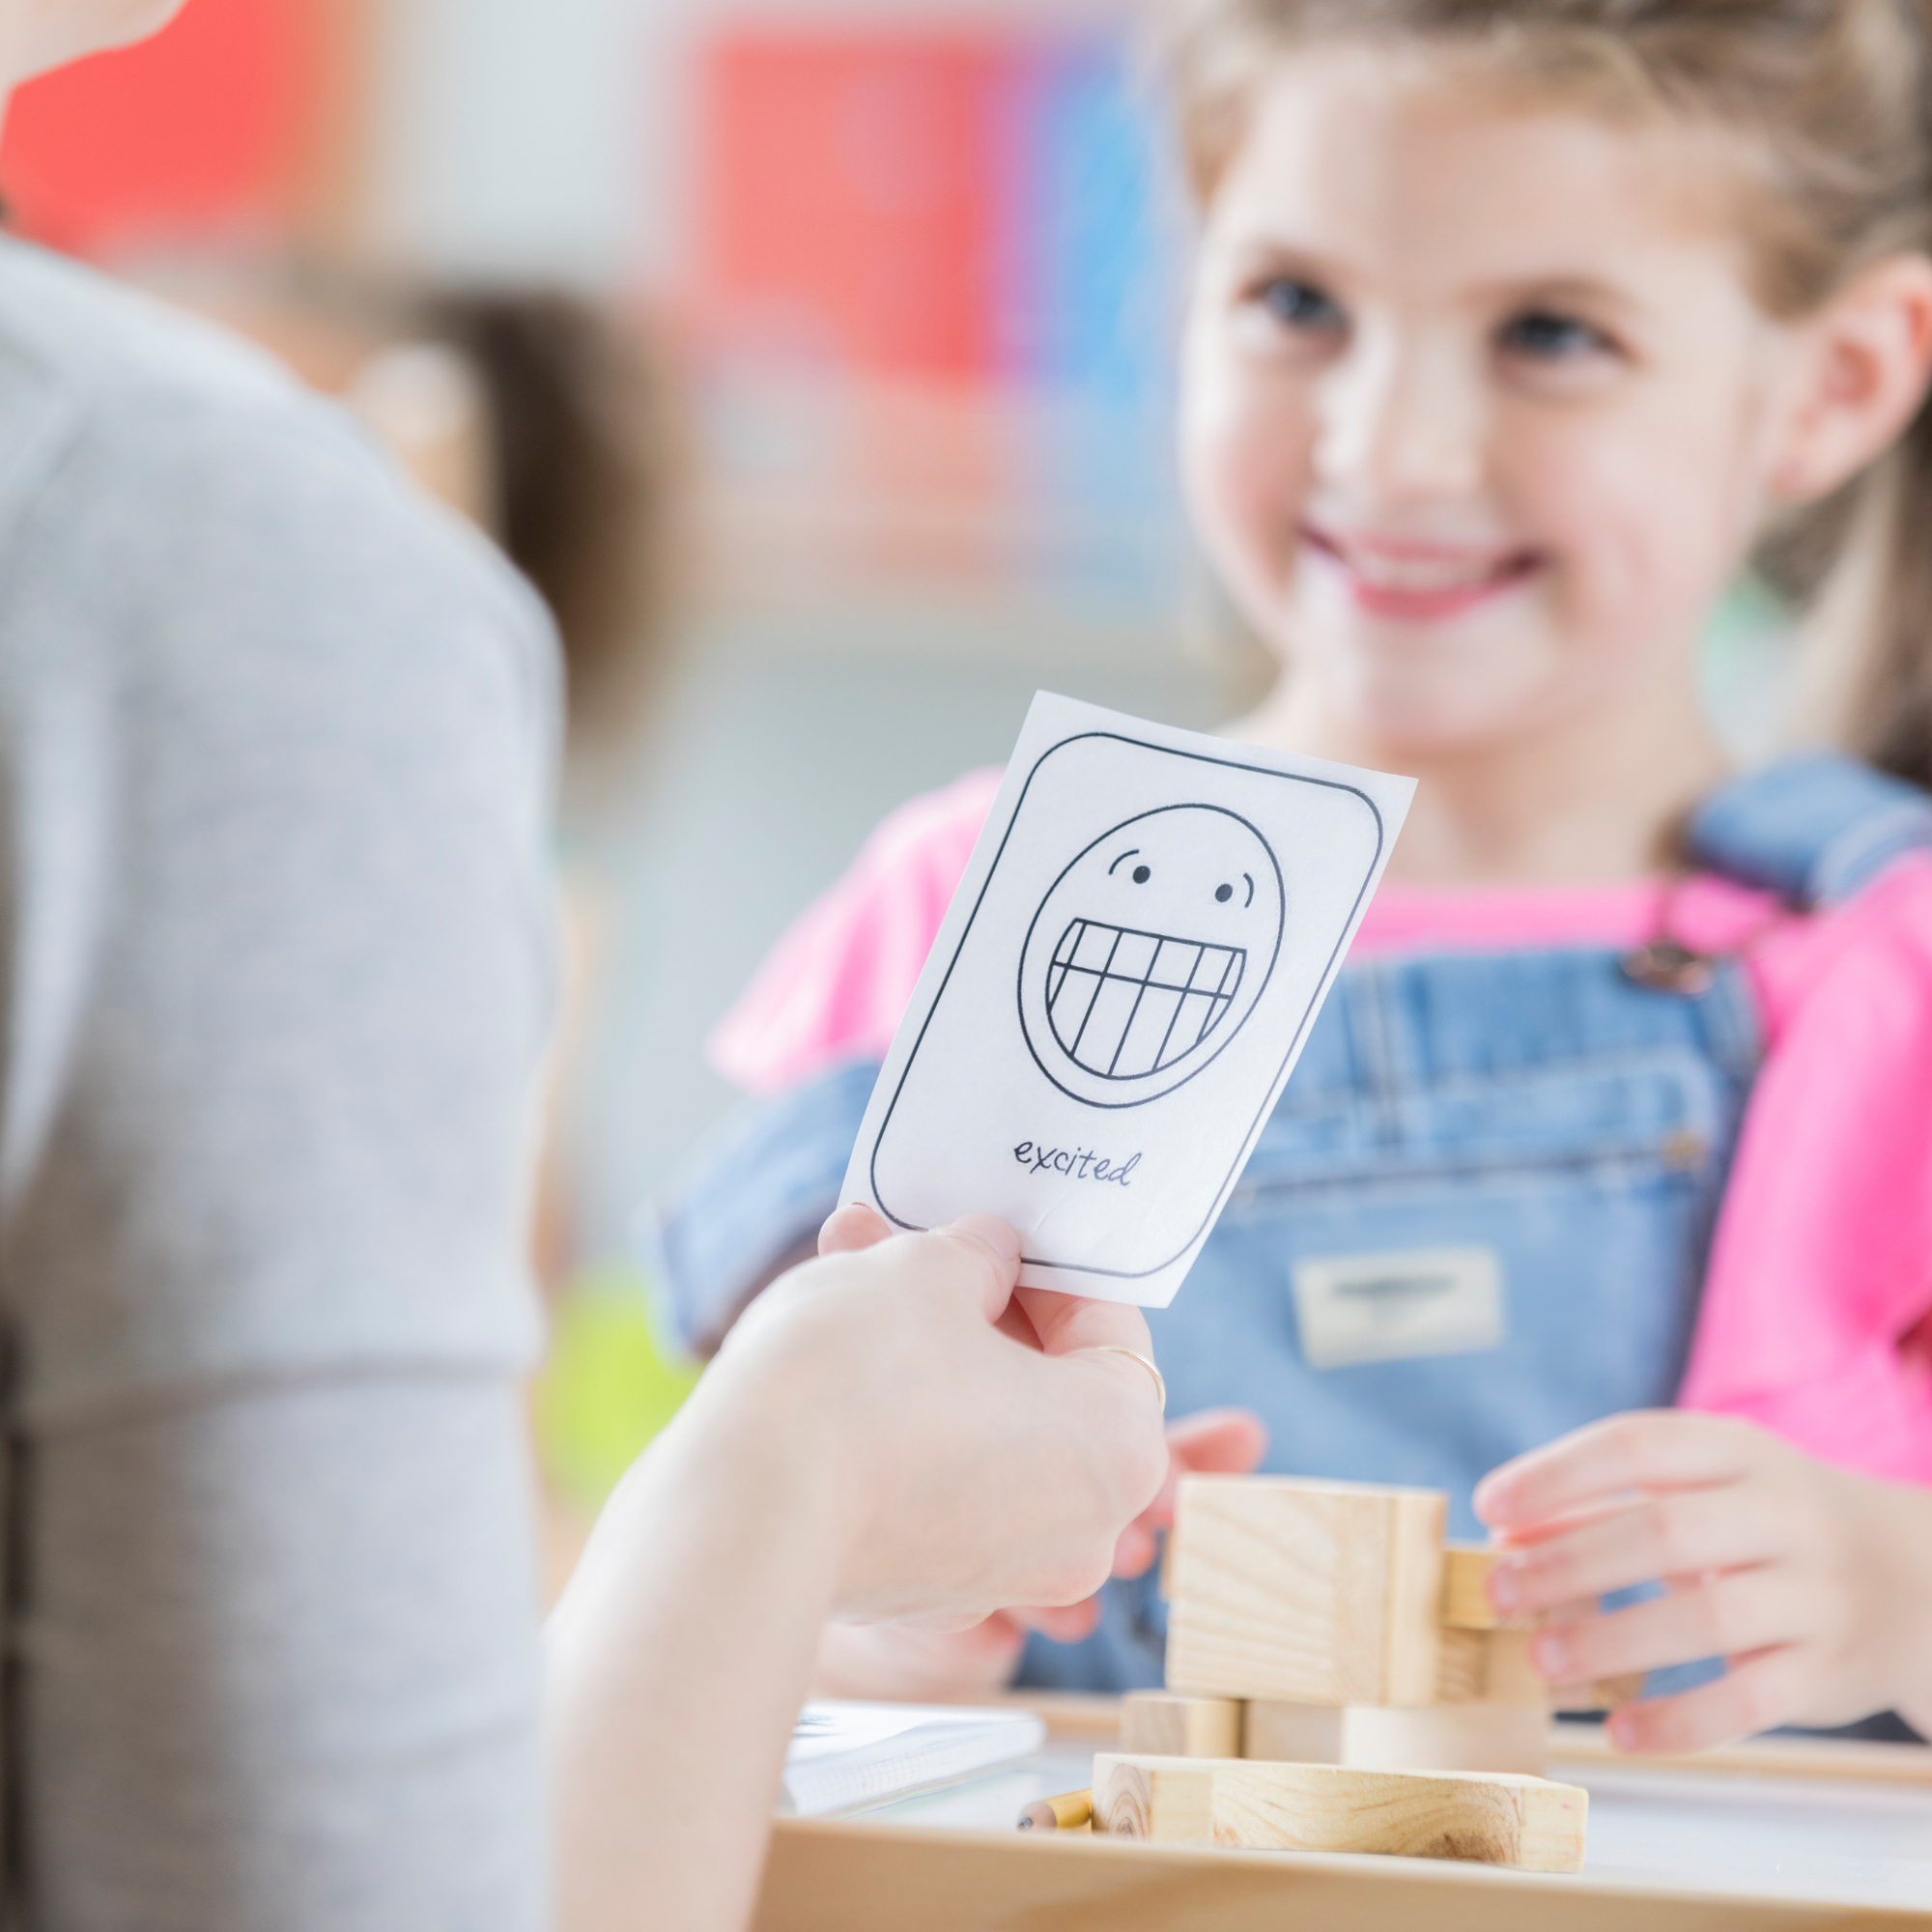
[852, 1227]
[984, 1251]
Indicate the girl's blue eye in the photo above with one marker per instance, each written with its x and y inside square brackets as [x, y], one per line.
[1550, 338]
[1298, 304]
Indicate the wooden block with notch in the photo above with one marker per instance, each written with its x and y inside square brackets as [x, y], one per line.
[1160, 1723]
[1488, 1666]
[1465, 1590]
[1309, 1593]
[1487, 1818]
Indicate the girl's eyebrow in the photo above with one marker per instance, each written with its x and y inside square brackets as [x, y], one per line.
[1269, 250]
[1584, 291]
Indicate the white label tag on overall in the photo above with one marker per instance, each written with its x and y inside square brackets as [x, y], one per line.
[1146, 933]
[1388, 1308]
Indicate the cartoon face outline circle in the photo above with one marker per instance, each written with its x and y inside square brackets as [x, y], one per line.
[1148, 952]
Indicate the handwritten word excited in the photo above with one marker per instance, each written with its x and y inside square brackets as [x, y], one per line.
[1078, 1163]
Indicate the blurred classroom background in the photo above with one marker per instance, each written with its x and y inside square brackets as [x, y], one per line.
[814, 359]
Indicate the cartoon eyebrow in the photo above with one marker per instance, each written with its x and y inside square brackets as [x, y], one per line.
[1129, 854]
[1250, 899]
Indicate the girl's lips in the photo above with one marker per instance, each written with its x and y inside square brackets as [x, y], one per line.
[1417, 584]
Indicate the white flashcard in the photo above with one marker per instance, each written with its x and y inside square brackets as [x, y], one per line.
[1144, 935]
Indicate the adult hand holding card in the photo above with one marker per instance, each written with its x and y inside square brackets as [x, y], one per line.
[1146, 931]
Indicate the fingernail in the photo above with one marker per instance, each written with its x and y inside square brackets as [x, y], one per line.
[1550, 1655]
[1505, 1585]
[997, 1235]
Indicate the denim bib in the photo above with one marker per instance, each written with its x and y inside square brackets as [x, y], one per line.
[1478, 1218]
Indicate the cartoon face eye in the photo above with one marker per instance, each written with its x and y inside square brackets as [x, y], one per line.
[1142, 875]
[1223, 893]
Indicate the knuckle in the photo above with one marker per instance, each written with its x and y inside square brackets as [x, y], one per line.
[1673, 1530]
[1147, 1468]
[1555, 1576]
[1088, 1574]
[1626, 1434]
[1713, 1620]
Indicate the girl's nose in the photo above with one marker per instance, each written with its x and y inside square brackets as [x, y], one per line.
[1402, 422]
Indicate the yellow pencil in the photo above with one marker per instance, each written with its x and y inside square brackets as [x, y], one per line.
[1071, 1811]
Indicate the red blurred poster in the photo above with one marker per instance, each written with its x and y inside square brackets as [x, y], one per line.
[210, 128]
[847, 206]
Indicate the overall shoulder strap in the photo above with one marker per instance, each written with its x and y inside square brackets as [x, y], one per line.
[1814, 829]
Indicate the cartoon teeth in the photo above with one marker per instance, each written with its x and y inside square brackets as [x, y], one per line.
[1123, 1002]
[1148, 952]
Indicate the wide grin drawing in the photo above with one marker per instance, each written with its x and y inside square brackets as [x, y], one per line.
[1123, 1002]
[1149, 954]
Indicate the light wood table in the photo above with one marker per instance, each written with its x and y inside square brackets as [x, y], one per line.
[1767, 1837]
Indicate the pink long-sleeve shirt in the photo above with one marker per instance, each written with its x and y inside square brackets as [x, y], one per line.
[1816, 1316]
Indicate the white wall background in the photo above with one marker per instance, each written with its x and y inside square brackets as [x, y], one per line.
[552, 136]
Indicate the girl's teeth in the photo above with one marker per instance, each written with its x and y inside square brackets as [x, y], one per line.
[1419, 576]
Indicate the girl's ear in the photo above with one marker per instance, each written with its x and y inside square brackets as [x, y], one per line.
[1864, 363]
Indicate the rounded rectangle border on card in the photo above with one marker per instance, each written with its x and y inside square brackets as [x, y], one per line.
[1144, 956]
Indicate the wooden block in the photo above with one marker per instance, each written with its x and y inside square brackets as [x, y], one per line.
[1606, 1694]
[1171, 1799]
[1158, 1724]
[1492, 1666]
[1308, 1593]
[1446, 1737]
[1292, 1733]
[1488, 1818]
[1465, 1594]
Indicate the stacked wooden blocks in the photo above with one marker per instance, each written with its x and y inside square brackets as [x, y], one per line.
[1337, 1680]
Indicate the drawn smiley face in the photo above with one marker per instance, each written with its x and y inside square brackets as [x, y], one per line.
[1149, 954]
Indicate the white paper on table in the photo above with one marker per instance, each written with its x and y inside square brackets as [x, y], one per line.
[846, 1756]
[1120, 990]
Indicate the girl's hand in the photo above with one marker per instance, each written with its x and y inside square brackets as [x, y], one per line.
[1814, 1584]
[905, 1662]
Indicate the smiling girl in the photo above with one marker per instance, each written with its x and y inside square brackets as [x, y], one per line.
[1516, 332]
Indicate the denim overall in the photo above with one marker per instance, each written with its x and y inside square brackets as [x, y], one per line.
[1537, 1137]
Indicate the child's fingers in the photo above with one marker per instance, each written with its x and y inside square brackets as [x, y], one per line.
[1725, 1615]
[1652, 1449]
[1217, 1441]
[853, 1226]
[1211, 1442]
[1684, 1531]
[1757, 1692]
[1525, 1536]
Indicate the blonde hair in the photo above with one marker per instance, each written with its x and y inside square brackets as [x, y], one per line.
[1833, 103]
